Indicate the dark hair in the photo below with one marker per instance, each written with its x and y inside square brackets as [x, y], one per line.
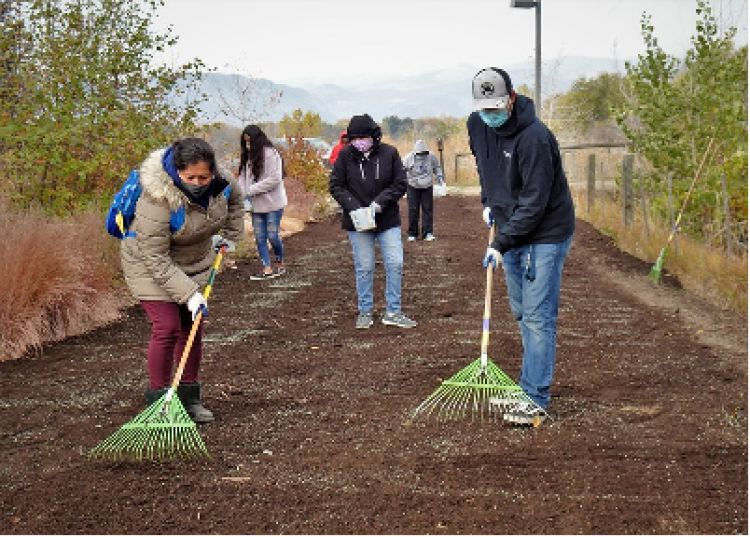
[189, 151]
[258, 142]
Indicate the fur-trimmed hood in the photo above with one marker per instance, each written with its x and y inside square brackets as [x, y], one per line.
[158, 183]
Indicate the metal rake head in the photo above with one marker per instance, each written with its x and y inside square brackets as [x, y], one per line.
[164, 431]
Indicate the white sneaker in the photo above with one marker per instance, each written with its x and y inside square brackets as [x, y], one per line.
[411, 238]
[429, 237]
[525, 413]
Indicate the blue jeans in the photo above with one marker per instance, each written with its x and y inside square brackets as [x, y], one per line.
[532, 275]
[267, 227]
[392, 251]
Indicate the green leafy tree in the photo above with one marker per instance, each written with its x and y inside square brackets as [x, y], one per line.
[397, 127]
[675, 107]
[85, 103]
[301, 124]
[589, 103]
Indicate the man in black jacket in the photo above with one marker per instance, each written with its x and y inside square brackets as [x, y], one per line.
[367, 180]
[525, 194]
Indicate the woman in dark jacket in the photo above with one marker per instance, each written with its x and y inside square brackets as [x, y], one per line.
[369, 176]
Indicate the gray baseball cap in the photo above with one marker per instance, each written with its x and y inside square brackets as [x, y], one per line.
[491, 88]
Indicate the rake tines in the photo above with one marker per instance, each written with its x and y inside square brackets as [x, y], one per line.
[164, 431]
[469, 391]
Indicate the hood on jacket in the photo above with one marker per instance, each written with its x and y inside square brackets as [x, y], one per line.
[342, 136]
[523, 115]
[421, 147]
[363, 126]
[158, 182]
[157, 178]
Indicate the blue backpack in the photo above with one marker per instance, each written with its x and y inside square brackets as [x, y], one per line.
[122, 209]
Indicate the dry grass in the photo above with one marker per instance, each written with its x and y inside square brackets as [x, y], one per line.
[57, 279]
[703, 271]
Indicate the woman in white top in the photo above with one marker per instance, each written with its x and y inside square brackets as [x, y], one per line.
[261, 176]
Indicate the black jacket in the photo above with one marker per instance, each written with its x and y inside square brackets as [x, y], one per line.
[356, 181]
[522, 180]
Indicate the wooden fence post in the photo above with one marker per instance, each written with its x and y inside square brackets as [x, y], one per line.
[591, 183]
[627, 189]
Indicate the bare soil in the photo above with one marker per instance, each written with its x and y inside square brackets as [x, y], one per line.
[648, 431]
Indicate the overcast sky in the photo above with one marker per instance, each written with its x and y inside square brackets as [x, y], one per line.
[339, 41]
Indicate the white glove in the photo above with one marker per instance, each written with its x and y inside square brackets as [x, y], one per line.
[491, 256]
[247, 204]
[487, 217]
[218, 242]
[196, 302]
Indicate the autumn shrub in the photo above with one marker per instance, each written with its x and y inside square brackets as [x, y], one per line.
[57, 278]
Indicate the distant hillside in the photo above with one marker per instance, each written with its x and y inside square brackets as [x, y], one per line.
[431, 94]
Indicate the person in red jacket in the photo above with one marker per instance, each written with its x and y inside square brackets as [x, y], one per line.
[343, 142]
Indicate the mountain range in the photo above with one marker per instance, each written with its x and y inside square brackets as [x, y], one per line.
[429, 94]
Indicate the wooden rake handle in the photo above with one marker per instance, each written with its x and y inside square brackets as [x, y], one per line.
[198, 318]
[690, 191]
[488, 301]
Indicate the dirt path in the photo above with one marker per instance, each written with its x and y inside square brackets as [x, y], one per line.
[649, 404]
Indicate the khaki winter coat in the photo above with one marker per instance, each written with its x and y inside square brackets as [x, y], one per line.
[160, 265]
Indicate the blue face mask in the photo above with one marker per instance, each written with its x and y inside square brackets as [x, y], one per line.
[494, 118]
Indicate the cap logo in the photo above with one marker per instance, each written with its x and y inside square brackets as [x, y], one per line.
[487, 89]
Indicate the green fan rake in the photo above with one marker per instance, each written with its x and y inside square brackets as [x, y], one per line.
[164, 431]
[468, 392]
[655, 273]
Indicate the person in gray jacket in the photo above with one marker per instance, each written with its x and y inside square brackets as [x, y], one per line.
[421, 167]
[166, 270]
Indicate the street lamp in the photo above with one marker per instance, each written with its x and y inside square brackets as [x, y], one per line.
[538, 59]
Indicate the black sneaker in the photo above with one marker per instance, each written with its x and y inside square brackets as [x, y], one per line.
[279, 270]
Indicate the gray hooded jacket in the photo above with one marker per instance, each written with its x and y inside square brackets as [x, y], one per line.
[420, 165]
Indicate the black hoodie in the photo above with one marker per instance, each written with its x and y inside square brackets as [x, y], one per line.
[522, 180]
[357, 179]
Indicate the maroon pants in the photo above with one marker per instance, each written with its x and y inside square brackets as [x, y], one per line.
[170, 328]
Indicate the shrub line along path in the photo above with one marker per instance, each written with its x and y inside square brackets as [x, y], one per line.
[649, 428]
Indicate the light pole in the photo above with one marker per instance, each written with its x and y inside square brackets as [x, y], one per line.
[537, 4]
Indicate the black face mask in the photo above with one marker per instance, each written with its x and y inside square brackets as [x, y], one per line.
[196, 190]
